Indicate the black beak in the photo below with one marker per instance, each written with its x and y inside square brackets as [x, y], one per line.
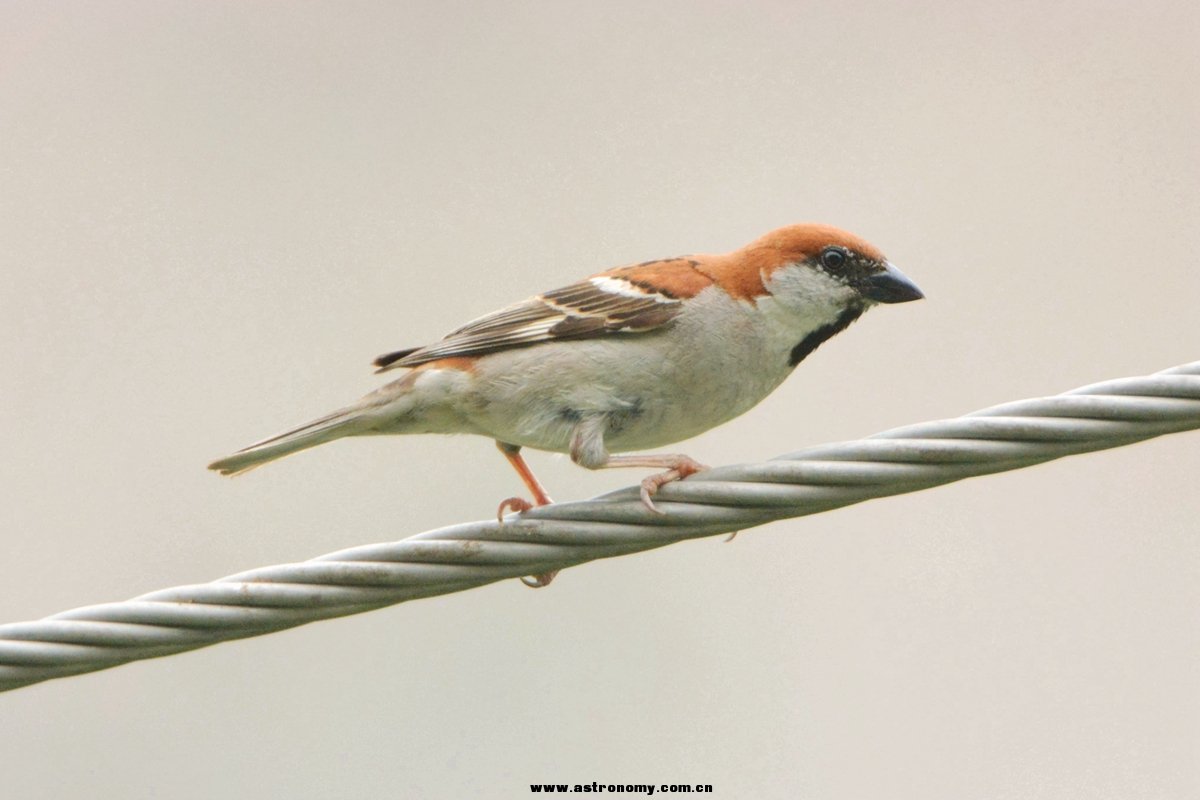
[891, 286]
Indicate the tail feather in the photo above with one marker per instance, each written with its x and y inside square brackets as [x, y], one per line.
[385, 361]
[343, 422]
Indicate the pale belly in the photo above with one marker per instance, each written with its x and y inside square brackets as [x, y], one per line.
[652, 391]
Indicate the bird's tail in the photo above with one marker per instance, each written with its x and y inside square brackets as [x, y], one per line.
[343, 422]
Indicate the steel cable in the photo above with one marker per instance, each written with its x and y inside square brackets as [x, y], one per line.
[1005, 437]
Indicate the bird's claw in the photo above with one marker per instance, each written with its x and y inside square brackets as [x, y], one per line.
[521, 505]
[650, 488]
[538, 581]
[652, 484]
[516, 504]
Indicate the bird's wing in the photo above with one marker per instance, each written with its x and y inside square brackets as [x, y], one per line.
[626, 300]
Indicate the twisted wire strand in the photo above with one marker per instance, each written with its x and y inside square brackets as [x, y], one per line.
[452, 559]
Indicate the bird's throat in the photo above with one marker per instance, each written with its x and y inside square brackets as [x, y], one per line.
[823, 334]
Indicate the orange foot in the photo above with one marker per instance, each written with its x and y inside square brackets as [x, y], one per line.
[681, 469]
[520, 505]
[517, 504]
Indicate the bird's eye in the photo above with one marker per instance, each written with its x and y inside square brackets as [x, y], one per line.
[833, 258]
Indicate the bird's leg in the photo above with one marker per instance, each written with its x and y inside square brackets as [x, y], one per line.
[513, 453]
[677, 467]
[588, 450]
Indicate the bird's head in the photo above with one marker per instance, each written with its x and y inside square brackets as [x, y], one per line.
[811, 263]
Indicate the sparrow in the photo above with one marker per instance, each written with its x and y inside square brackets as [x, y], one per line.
[630, 359]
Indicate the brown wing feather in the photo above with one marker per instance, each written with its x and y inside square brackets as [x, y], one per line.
[627, 300]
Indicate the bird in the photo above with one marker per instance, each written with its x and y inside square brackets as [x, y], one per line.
[630, 359]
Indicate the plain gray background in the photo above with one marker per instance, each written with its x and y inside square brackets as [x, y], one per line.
[214, 214]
